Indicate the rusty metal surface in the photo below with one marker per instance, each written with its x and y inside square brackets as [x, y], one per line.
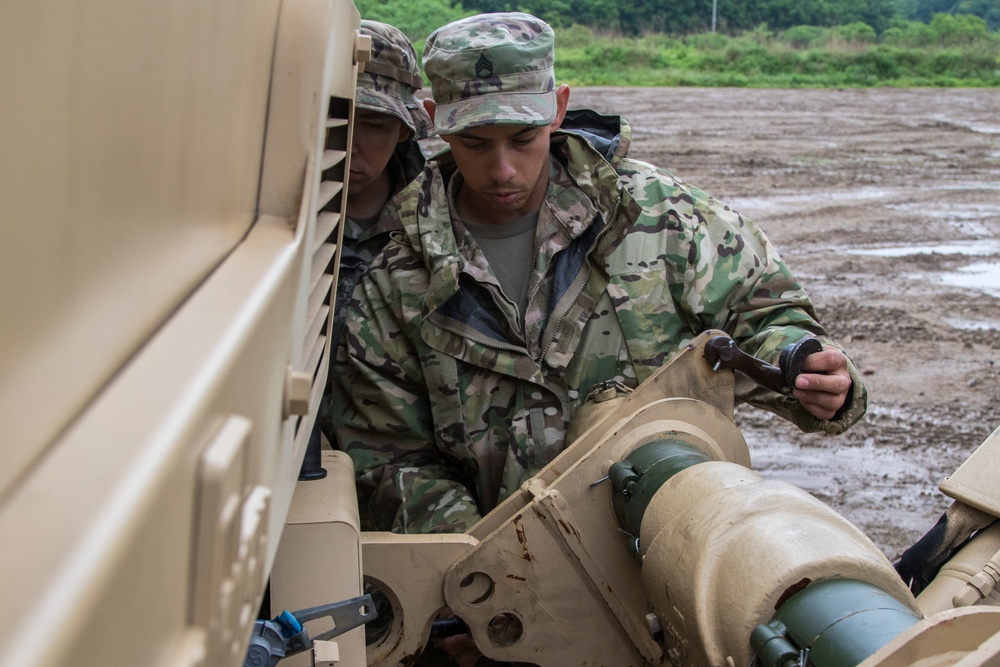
[558, 562]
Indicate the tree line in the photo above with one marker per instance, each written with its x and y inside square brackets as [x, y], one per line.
[679, 17]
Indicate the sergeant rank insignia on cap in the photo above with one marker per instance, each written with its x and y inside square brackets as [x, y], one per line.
[484, 68]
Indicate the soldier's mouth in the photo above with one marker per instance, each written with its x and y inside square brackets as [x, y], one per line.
[505, 197]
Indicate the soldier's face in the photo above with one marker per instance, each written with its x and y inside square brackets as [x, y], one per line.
[376, 136]
[505, 168]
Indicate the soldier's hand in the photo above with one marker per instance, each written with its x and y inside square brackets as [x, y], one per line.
[461, 649]
[824, 383]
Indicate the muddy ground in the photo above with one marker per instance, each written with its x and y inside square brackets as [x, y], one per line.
[886, 205]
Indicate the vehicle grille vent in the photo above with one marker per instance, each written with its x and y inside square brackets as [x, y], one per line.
[330, 209]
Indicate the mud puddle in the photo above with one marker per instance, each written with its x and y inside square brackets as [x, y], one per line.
[981, 276]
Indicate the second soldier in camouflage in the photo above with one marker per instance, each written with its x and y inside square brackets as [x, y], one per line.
[535, 261]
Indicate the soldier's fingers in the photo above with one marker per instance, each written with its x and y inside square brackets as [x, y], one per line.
[826, 361]
[461, 649]
[819, 404]
[834, 383]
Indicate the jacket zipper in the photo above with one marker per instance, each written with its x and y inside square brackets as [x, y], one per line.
[470, 334]
[558, 326]
[496, 302]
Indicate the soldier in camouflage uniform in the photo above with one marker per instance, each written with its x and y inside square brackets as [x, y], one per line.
[466, 355]
[385, 156]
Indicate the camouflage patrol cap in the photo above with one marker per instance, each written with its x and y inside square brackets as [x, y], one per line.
[391, 78]
[492, 69]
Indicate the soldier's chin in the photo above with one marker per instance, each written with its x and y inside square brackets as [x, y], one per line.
[357, 181]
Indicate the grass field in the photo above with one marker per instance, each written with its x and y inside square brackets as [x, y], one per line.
[847, 56]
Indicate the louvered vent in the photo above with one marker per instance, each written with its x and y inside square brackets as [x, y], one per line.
[330, 207]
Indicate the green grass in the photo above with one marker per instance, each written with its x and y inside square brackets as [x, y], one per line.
[949, 51]
[805, 56]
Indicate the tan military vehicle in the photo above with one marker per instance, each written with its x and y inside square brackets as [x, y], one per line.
[172, 187]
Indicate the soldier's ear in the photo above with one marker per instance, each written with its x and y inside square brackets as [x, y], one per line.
[430, 107]
[562, 104]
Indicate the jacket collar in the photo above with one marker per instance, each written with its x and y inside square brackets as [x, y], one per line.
[592, 213]
[405, 164]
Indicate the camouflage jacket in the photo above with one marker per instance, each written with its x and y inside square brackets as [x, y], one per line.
[447, 404]
[359, 248]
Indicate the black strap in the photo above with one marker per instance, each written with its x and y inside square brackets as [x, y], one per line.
[395, 73]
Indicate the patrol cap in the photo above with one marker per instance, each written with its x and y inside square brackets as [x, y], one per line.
[492, 69]
[391, 78]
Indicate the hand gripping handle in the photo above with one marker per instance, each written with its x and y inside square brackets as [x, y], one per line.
[721, 352]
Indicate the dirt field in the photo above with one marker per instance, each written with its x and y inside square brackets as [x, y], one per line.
[886, 205]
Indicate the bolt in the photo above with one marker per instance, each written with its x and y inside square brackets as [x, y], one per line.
[653, 624]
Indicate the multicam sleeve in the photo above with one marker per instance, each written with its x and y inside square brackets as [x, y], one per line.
[738, 282]
[381, 416]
